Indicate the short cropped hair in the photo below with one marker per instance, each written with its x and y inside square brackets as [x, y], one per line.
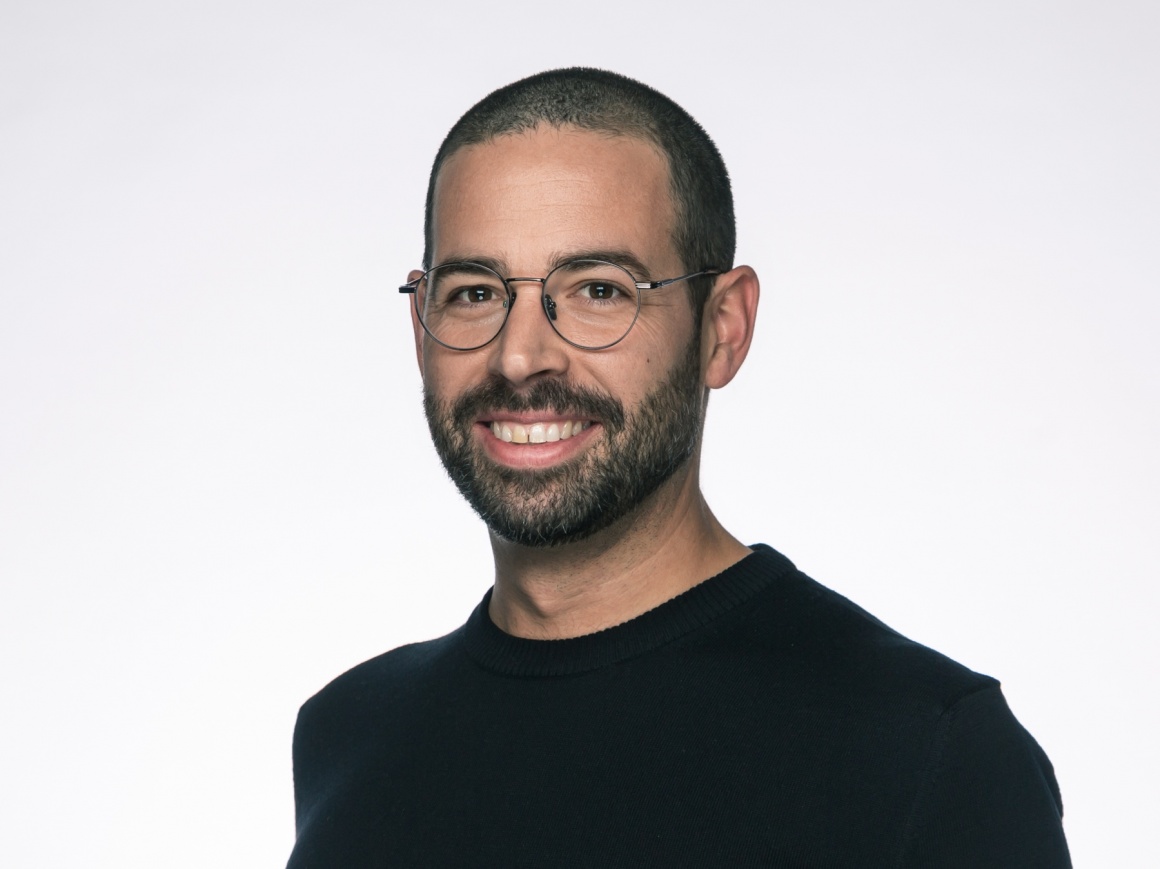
[704, 231]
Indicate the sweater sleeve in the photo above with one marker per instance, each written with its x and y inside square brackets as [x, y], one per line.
[989, 797]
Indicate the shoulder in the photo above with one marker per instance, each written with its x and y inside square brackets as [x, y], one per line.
[988, 795]
[984, 789]
[385, 682]
[835, 642]
[340, 728]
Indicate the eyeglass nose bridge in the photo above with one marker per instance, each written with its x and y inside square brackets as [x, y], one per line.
[546, 301]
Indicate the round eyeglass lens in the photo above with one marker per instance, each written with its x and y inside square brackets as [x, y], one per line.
[462, 305]
[591, 303]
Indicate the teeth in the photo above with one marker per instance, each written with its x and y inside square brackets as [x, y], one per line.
[537, 433]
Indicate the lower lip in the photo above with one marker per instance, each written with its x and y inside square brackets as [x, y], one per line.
[533, 456]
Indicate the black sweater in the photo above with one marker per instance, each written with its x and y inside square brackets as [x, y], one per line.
[758, 719]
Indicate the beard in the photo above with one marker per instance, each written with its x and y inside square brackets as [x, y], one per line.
[568, 502]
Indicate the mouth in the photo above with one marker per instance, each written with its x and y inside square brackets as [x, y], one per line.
[535, 441]
[512, 432]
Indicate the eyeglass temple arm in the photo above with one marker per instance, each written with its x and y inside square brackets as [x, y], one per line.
[410, 286]
[656, 285]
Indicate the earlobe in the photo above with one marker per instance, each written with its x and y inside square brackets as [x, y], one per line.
[727, 327]
[415, 324]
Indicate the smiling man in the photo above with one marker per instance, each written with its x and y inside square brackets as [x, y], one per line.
[638, 687]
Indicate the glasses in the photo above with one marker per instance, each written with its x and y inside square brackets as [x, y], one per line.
[591, 304]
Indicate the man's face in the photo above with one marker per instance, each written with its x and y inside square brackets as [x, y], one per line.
[550, 443]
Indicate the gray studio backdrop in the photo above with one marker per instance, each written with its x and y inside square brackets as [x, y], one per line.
[216, 487]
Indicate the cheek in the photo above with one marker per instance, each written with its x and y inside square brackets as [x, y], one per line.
[445, 376]
[627, 377]
[658, 342]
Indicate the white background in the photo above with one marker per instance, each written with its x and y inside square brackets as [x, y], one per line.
[216, 487]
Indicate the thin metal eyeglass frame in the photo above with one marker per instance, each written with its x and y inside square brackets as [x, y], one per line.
[412, 287]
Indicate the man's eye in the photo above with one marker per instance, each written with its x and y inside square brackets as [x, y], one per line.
[600, 290]
[475, 295]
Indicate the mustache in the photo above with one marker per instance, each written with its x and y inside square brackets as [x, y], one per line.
[556, 396]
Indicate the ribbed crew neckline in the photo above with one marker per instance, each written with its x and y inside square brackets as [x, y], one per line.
[516, 656]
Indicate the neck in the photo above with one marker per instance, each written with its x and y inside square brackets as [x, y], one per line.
[670, 543]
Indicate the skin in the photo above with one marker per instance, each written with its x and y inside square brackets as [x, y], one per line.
[527, 201]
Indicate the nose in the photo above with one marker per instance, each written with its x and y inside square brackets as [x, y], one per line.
[528, 347]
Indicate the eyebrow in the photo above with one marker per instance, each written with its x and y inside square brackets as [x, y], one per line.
[496, 265]
[623, 258]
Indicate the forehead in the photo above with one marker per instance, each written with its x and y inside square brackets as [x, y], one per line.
[528, 197]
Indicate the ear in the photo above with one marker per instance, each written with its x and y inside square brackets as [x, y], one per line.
[415, 324]
[727, 325]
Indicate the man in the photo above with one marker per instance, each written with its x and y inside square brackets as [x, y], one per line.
[639, 688]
